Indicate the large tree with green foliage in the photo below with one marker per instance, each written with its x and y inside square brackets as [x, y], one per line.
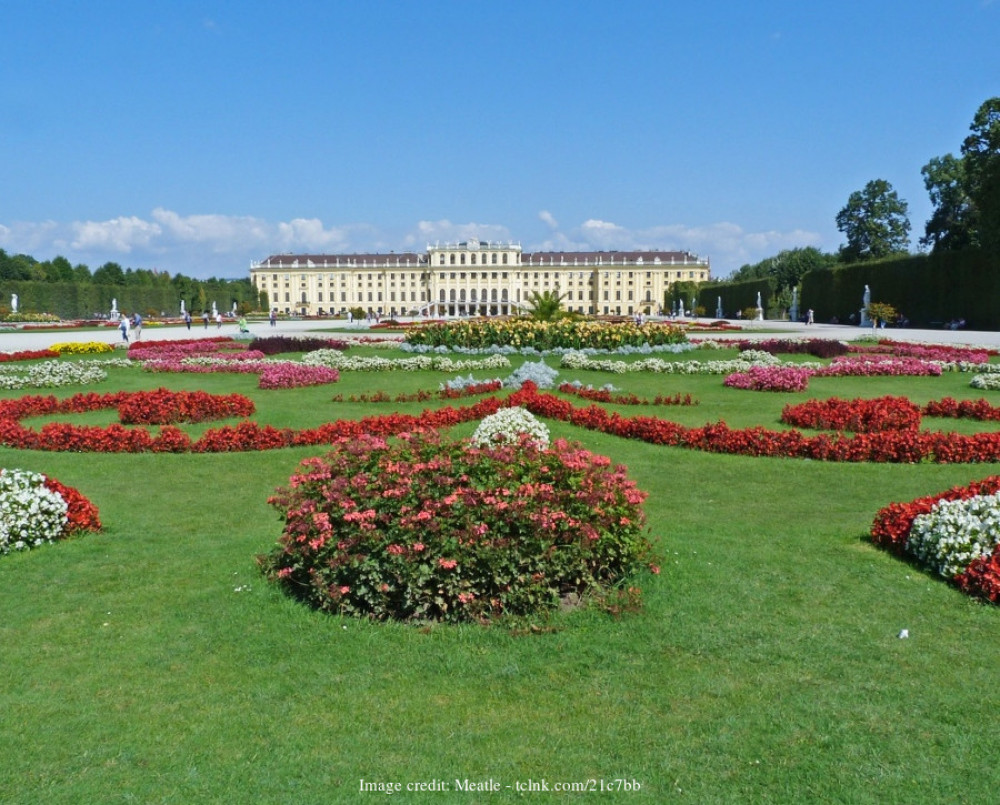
[875, 223]
[952, 226]
[786, 267]
[981, 154]
[965, 190]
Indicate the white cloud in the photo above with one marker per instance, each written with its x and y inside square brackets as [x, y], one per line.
[445, 231]
[117, 235]
[549, 219]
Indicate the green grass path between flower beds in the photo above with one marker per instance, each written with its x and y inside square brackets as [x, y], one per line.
[152, 663]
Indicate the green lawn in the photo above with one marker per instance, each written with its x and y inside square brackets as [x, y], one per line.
[152, 663]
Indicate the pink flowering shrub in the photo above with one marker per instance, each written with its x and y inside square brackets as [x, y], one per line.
[430, 529]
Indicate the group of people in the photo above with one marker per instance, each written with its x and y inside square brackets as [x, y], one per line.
[135, 322]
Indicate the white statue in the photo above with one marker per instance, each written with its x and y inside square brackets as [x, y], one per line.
[215, 310]
[114, 307]
[13, 302]
[182, 307]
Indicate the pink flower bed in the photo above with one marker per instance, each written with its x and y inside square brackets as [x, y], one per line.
[295, 375]
[769, 378]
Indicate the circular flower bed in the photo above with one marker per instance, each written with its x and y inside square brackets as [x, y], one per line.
[35, 510]
[430, 529]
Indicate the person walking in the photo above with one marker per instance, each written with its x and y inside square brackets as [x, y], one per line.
[137, 325]
[204, 316]
[274, 316]
[123, 326]
[218, 321]
[187, 319]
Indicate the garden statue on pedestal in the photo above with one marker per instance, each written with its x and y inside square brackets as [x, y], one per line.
[866, 300]
[13, 303]
[760, 308]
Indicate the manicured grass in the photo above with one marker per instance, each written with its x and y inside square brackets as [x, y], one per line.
[151, 662]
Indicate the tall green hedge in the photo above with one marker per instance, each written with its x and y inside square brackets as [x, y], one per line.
[78, 300]
[930, 290]
[736, 296]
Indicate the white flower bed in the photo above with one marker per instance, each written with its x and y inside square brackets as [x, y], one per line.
[988, 382]
[50, 374]
[955, 533]
[580, 361]
[338, 360]
[966, 366]
[507, 426]
[30, 513]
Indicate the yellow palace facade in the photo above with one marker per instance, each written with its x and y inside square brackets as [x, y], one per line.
[473, 278]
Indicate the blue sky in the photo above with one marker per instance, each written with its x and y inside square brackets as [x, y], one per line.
[194, 137]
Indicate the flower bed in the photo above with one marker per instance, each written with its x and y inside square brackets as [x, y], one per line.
[577, 389]
[955, 533]
[82, 348]
[280, 344]
[769, 378]
[431, 529]
[27, 355]
[539, 335]
[164, 407]
[859, 416]
[818, 347]
[35, 510]
[55, 373]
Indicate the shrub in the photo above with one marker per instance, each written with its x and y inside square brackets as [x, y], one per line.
[429, 529]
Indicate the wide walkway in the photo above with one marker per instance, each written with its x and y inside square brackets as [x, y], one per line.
[16, 341]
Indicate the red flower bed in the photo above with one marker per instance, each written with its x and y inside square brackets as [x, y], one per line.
[965, 409]
[164, 407]
[602, 395]
[901, 446]
[859, 416]
[27, 355]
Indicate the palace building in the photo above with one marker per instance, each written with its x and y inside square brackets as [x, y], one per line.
[473, 278]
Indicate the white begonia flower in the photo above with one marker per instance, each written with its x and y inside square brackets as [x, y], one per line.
[30, 513]
[507, 425]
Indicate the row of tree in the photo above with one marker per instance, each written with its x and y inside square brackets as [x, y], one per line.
[18, 271]
[964, 191]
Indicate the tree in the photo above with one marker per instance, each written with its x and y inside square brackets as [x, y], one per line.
[881, 312]
[787, 267]
[952, 226]
[875, 223]
[981, 155]
[109, 274]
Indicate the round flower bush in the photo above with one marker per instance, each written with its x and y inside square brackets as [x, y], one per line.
[30, 513]
[955, 533]
[510, 426]
[430, 529]
[35, 510]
